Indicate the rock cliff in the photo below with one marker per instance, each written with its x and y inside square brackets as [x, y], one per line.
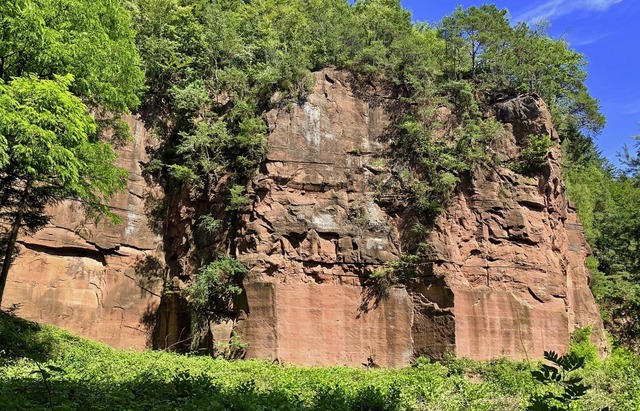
[103, 282]
[506, 277]
[511, 252]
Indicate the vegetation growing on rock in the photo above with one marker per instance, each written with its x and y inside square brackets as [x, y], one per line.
[213, 68]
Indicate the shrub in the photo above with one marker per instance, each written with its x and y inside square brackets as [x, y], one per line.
[237, 198]
[562, 387]
[534, 155]
[215, 283]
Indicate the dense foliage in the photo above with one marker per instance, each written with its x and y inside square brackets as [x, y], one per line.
[93, 41]
[87, 375]
[214, 67]
[52, 151]
[560, 373]
[216, 282]
[607, 201]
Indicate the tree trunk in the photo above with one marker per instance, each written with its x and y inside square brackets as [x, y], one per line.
[13, 237]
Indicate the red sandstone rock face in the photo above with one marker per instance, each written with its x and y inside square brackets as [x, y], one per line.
[512, 254]
[93, 280]
[508, 278]
[315, 231]
[508, 275]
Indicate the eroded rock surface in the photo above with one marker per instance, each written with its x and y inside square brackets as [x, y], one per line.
[511, 252]
[506, 277]
[102, 282]
[315, 232]
[508, 272]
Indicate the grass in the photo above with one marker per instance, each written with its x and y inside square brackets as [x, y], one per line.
[85, 375]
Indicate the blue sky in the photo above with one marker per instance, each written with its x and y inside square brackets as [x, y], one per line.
[607, 32]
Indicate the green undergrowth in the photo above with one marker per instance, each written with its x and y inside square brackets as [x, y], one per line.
[42, 367]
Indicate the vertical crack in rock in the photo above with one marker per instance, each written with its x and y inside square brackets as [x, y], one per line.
[98, 282]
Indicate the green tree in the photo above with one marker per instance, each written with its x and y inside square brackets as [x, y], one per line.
[216, 283]
[562, 386]
[59, 61]
[92, 40]
[617, 249]
[472, 34]
[630, 161]
[332, 34]
[607, 202]
[53, 153]
[501, 60]
[379, 24]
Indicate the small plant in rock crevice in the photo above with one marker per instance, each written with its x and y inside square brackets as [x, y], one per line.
[533, 157]
[215, 283]
[209, 224]
[235, 348]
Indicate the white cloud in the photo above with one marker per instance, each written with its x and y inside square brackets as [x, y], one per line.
[551, 9]
[632, 107]
[586, 41]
